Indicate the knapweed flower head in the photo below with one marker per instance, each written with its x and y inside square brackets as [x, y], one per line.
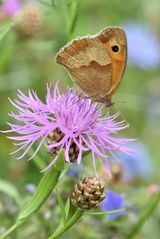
[67, 122]
[113, 201]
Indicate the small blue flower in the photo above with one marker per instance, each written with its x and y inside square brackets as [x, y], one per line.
[137, 165]
[74, 171]
[143, 46]
[113, 201]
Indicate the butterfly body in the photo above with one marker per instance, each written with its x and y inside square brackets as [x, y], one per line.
[96, 62]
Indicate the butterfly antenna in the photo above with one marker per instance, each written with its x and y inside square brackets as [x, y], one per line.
[107, 111]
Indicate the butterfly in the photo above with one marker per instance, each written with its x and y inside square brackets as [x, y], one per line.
[97, 62]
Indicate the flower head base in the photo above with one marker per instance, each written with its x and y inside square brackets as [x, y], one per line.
[69, 122]
[56, 136]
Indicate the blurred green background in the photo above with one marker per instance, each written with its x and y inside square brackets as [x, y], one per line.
[27, 54]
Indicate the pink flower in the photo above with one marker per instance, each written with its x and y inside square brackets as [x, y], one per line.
[10, 7]
[78, 120]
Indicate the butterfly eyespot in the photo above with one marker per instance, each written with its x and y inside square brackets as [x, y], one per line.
[115, 48]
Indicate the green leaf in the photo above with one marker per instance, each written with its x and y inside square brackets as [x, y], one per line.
[65, 13]
[61, 229]
[60, 161]
[9, 189]
[73, 18]
[67, 207]
[4, 28]
[44, 189]
[61, 224]
[7, 51]
[61, 204]
[106, 213]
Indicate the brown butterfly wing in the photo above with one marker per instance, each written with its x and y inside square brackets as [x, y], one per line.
[89, 61]
[115, 37]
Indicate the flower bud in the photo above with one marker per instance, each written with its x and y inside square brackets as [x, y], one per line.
[88, 193]
[117, 172]
[29, 21]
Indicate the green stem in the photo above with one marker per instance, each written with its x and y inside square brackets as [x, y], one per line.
[4, 28]
[79, 212]
[152, 205]
[10, 230]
